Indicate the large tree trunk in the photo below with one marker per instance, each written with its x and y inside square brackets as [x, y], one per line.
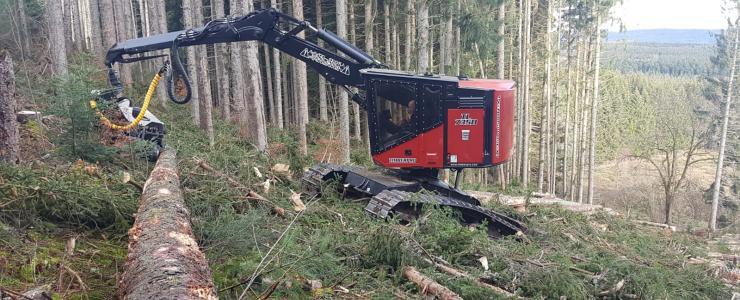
[204, 82]
[594, 112]
[526, 91]
[23, 24]
[122, 23]
[57, 42]
[343, 97]
[276, 66]
[192, 69]
[723, 140]
[545, 111]
[369, 48]
[300, 81]
[96, 32]
[408, 45]
[164, 260]
[355, 107]
[323, 100]
[422, 16]
[253, 92]
[223, 64]
[9, 136]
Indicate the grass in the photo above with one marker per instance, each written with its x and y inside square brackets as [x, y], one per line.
[334, 241]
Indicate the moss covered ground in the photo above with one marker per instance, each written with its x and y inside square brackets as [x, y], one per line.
[332, 242]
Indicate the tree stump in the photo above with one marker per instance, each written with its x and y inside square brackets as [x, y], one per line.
[9, 136]
[164, 261]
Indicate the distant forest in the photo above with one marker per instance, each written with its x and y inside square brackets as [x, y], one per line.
[655, 58]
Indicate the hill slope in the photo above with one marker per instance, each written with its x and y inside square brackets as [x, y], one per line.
[665, 36]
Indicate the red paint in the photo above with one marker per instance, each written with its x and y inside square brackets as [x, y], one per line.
[503, 126]
[426, 152]
[459, 123]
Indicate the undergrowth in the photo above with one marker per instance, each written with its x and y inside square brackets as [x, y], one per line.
[334, 242]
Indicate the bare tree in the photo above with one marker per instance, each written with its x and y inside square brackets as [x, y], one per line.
[9, 136]
[57, 44]
[255, 112]
[723, 140]
[323, 100]
[192, 65]
[423, 29]
[204, 82]
[594, 112]
[343, 98]
[96, 38]
[277, 73]
[300, 82]
[223, 66]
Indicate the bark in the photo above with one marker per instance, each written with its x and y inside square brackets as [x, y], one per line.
[355, 107]
[158, 25]
[223, 66]
[423, 29]
[723, 140]
[323, 102]
[23, 22]
[164, 260]
[526, 89]
[594, 114]
[122, 28]
[78, 39]
[268, 79]
[343, 97]
[67, 21]
[57, 44]
[300, 81]
[408, 45]
[96, 32]
[278, 81]
[387, 33]
[253, 92]
[545, 110]
[204, 82]
[9, 136]
[428, 285]
[369, 48]
[192, 63]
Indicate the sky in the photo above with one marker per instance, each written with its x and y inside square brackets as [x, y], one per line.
[670, 14]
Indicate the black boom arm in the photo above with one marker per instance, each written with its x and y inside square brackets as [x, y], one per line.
[263, 25]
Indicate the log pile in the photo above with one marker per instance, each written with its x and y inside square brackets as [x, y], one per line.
[164, 261]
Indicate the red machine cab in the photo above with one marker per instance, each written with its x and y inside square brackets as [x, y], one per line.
[433, 122]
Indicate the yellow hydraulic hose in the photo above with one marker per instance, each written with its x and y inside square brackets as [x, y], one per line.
[144, 106]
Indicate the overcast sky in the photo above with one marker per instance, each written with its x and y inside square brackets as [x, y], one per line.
[671, 14]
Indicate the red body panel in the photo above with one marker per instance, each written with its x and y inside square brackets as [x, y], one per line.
[503, 126]
[426, 152]
[465, 136]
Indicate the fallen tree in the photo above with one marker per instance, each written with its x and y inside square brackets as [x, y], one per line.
[429, 286]
[164, 261]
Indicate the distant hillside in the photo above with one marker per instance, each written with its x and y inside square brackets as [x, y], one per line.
[659, 58]
[665, 36]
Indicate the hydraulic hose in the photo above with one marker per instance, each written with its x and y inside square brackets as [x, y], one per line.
[147, 99]
[178, 70]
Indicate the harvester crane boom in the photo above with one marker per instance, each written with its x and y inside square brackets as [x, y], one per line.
[266, 26]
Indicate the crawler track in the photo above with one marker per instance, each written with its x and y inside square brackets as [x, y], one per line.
[398, 195]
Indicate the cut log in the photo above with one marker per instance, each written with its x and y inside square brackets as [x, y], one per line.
[459, 273]
[429, 286]
[653, 224]
[164, 261]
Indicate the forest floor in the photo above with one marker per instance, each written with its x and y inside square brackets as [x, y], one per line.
[47, 202]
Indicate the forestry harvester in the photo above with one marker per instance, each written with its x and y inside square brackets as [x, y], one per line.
[418, 124]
